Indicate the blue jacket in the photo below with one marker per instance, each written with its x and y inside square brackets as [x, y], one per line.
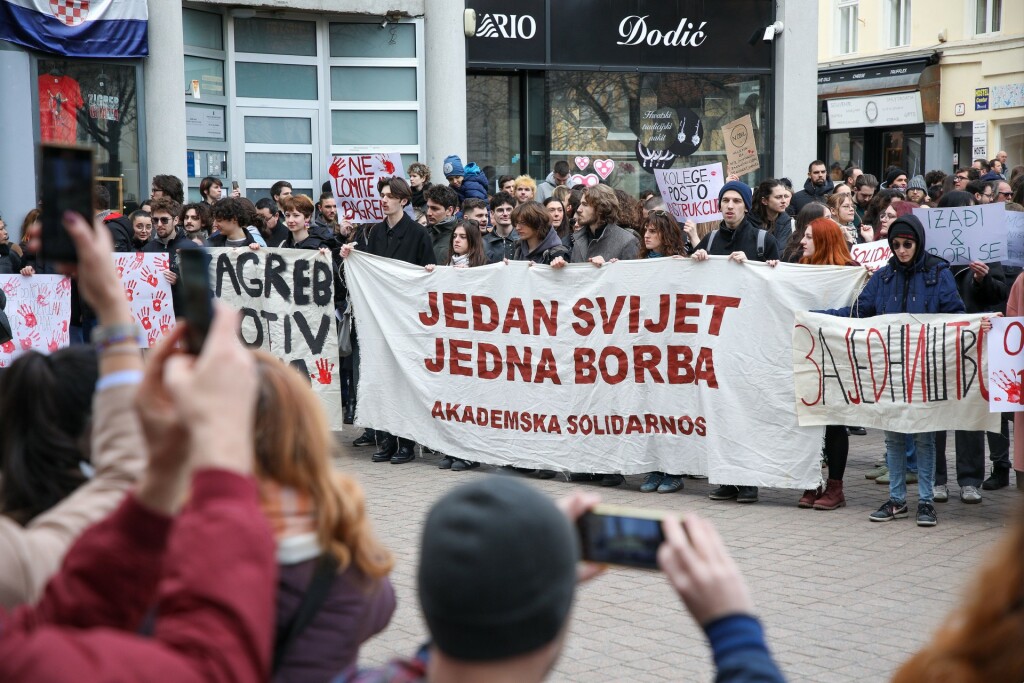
[474, 184]
[925, 286]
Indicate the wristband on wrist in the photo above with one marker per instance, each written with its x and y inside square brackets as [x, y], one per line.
[105, 336]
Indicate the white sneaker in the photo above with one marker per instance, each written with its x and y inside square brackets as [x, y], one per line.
[970, 494]
[940, 493]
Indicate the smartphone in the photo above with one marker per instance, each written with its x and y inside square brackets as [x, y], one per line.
[615, 534]
[67, 177]
[234, 184]
[197, 296]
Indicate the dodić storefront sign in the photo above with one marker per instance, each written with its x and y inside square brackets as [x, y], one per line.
[594, 369]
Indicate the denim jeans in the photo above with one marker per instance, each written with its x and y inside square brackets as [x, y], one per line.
[896, 459]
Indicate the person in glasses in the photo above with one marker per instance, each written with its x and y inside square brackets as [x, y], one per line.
[913, 281]
[500, 243]
[1003, 192]
[142, 229]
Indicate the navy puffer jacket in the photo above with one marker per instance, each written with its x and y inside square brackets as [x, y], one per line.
[925, 286]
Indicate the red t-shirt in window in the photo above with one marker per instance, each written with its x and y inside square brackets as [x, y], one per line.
[59, 101]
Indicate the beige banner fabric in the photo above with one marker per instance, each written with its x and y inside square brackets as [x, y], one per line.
[904, 373]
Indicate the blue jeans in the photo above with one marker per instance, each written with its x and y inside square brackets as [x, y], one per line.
[911, 454]
[896, 459]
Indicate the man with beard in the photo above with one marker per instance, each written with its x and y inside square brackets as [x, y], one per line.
[816, 188]
[442, 206]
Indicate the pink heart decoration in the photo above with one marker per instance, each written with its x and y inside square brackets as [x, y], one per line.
[604, 167]
[590, 180]
[582, 162]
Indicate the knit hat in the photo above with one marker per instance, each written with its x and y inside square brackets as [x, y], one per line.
[917, 183]
[453, 166]
[907, 226]
[737, 186]
[497, 570]
[892, 175]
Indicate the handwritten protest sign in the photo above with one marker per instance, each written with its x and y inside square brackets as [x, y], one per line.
[1014, 239]
[740, 146]
[692, 193]
[39, 309]
[1006, 365]
[286, 300]
[874, 255]
[965, 233]
[354, 183]
[633, 368]
[904, 373]
[148, 293]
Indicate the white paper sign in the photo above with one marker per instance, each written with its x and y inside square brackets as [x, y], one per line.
[645, 365]
[965, 233]
[148, 293]
[354, 183]
[39, 309]
[1006, 365]
[873, 255]
[286, 300]
[875, 110]
[692, 193]
[979, 139]
[1014, 238]
[903, 373]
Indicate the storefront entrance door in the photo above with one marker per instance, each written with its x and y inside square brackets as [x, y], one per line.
[281, 144]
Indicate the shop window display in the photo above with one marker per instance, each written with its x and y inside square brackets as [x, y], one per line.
[94, 103]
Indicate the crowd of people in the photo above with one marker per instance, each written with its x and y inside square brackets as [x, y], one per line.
[145, 537]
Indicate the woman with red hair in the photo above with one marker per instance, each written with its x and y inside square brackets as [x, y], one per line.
[824, 244]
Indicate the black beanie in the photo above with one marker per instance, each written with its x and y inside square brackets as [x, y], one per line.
[497, 570]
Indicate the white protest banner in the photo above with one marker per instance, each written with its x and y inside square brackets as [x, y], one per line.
[740, 147]
[148, 293]
[354, 183]
[39, 310]
[286, 298]
[874, 255]
[1014, 239]
[965, 233]
[1006, 365]
[905, 373]
[664, 364]
[692, 193]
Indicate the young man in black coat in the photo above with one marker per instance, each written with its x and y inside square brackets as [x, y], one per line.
[399, 237]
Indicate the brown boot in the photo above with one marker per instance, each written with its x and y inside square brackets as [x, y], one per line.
[807, 500]
[833, 496]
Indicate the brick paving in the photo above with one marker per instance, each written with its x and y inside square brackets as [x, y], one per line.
[842, 599]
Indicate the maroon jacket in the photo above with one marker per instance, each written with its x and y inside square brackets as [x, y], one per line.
[211, 573]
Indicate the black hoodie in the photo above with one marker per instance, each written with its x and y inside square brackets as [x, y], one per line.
[810, 193]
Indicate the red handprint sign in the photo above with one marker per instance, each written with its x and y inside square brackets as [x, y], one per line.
[335, 169]
[325, 371]
[158, 301]
[386, 164]
[28, 317]
[129, 289]
[144, 320]
[150, 277]
[29, 341]
[8, 347]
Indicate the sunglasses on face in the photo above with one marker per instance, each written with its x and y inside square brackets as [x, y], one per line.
[162, 220]
[903, 244]
[1005, 194]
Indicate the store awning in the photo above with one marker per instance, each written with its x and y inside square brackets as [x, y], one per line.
[874, 77]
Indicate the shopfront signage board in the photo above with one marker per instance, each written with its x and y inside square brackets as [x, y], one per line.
[875, 111]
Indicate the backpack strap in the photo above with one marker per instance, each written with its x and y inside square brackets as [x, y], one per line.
[761, 234]
[312, 600]
[711, 240]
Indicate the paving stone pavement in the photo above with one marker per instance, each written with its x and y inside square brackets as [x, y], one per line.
[842, 598]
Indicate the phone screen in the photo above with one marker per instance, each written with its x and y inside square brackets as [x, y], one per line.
[66, 179]
[197, 297]
[613, 535]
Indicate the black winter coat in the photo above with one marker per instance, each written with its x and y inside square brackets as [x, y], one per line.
[408, 241]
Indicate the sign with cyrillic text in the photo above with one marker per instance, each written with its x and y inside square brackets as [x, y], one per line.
[872, 255]
[965, 233]
[354, 184]
[148, 292]
[286, 300]
[903, 373]
[38, 308]
[1006, 365]
[639, 366]
[691, 194]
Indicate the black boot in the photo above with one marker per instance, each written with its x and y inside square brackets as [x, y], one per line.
[350, 412]
[406, 452]
[388, 447]
[367, 438]
[1000, 479]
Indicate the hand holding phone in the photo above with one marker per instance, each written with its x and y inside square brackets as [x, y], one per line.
[197, 297]
[67, 179]
[614, 534]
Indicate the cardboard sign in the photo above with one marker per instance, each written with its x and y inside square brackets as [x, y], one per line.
[873, 255]
[1006, 365]
[1014, 239]
[286, 300]
[38, 308]
[692, 193]
[965, 233]
[354, 183]
[903, 373]
[148, 292]
[740, 147]
[633, 368]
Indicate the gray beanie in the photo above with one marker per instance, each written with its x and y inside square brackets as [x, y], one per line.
[497, 570]
[917, 183]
